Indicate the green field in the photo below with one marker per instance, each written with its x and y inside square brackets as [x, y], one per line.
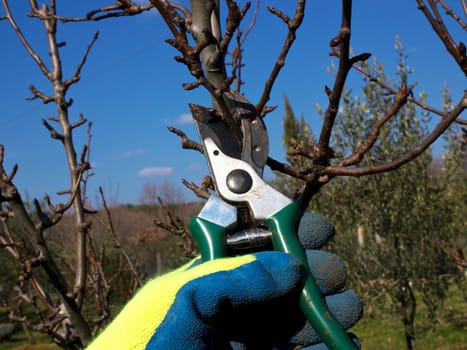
[387, 333]
[374, 333]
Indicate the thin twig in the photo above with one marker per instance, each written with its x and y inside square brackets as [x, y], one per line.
[176, 227]
[111, 230]
[453, 14]
[399, 101]
[23, 40]
[292, 24]
[456, 254]
[201, 192]
[342, 40]
[366, 73]
[76, 76]
[433, 16]
[186, 142]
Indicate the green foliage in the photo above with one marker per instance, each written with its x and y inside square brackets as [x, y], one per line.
[291, 127]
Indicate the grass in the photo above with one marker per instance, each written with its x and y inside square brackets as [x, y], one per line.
[387, 333]
[19, 342]
[384, 333]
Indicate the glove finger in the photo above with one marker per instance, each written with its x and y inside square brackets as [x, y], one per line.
[346, 307]
[328, 270]
[314, 231]
[216, 304]
[270, 276]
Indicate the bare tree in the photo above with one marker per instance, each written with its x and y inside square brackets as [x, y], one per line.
[205, 49]
[152, 193]
[206, 61]
[23, 231]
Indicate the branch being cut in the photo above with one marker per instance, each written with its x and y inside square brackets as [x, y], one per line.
[186, 142]
[201, 192]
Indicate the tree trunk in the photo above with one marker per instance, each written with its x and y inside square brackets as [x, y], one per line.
[409, 307]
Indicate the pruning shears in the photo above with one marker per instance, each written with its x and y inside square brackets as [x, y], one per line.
[246, 212]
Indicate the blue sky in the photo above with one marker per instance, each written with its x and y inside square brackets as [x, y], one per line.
[131, 88]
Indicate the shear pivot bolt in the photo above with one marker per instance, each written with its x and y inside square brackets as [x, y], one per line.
[239, 181]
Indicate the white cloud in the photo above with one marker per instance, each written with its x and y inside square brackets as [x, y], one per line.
[130, 154]
[156, 171]
[196, 167]
[184, 119]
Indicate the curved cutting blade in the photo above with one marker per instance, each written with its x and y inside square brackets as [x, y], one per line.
[253, 147]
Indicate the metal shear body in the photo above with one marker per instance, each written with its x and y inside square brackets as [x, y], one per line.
[245, 211]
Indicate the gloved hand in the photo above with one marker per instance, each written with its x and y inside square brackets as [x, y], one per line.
[330, 274]
[250, 300]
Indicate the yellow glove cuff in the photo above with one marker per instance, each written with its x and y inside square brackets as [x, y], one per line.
[134, 326]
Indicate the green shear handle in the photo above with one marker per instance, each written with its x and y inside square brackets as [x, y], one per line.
[212, 242]
[282, 226]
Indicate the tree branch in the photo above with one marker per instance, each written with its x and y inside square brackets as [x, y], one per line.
[37, 94]
[76, 77]
[399, 101]
[342, 40]
[201, 192]
[35, 234]
[176, 227]
[23, 40]
[407, 157]
[185, 141]
[293, 25]
[458, 52]
[111, 230]
[410, 98]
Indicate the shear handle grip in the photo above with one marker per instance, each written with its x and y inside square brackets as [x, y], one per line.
[282, 225]
[211, 238]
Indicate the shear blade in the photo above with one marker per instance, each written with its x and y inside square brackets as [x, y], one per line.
[216, 129]
[253, 148]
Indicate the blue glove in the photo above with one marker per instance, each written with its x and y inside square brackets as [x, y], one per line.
[330, 274]
[250, 300]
